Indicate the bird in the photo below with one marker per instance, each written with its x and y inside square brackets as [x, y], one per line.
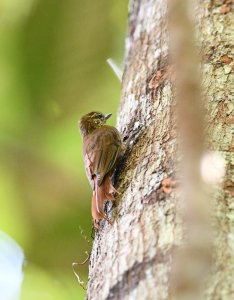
[102, 151]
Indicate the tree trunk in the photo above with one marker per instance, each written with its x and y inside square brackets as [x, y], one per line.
[132, 258]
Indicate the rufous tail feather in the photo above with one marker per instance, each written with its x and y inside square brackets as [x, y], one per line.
[101, 193]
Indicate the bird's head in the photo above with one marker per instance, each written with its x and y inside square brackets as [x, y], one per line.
[92, 121]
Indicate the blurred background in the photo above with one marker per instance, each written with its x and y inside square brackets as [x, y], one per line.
[52, 71]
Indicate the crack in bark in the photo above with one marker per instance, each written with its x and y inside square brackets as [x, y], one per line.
[130, 278]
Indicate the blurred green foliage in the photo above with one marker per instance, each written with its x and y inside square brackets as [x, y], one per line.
[52, 71]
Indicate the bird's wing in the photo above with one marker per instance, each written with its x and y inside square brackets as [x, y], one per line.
[102, 149]
[88, 170]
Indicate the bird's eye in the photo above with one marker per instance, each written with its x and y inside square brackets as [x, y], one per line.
[99, 115]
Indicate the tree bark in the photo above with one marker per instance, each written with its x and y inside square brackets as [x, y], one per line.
[132, 258]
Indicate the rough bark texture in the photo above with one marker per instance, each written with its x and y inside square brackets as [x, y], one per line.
[131, 259]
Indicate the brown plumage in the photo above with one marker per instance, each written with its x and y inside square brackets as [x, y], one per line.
[102, 149]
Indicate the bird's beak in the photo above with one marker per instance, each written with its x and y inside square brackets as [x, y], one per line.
[108, 116]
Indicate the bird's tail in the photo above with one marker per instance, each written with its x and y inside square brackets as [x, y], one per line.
[101, 193]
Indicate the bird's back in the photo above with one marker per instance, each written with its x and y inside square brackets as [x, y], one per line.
[102, 149]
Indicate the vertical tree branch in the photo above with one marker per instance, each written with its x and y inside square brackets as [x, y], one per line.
[133, 257]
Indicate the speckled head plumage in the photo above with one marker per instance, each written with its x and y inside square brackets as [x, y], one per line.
[92, 121]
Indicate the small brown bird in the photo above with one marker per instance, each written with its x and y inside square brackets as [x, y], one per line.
[102, 149]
